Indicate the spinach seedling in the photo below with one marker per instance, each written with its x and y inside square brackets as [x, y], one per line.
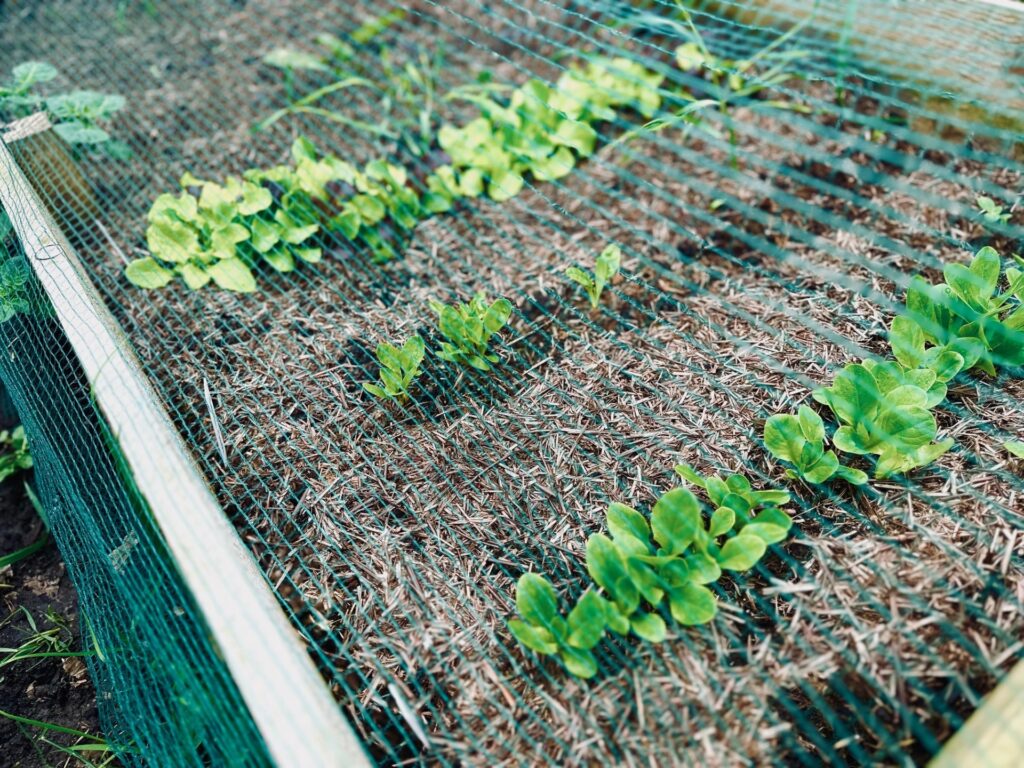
[398, 368]
[468, 329]
[544, 630]
[882, 415]
[642, 564]
[991, 211]
[969, 315]
[800, 440]
[606, 266]
[738, 504]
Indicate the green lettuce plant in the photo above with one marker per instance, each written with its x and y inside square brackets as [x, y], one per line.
[399, 366]
[468, 329]
[884, 415]
[643, 564]
[799, 440]
[969, 314]
[606, 266]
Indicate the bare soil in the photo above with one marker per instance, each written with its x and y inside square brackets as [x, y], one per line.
[53, 690]
[394, 536]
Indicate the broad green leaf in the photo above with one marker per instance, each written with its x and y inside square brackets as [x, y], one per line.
[907, 341]
[376, 391]
[626, 521]
[911, 426]
[771, 497]
[692, 604]
[78, 132]
[535, 638]
[717, 489]
[504, 185]
[675, 520]
[264, 235]
[742, 552]
[254, 199]
[32, 72]
[691, 475]
[822, 469]
[577, 135]
[767, 532]
[497, 315]
[1015, 447]
[195, 277]
[553, 167]
[577, 661]
[783, 437]
[587, 621]
[722, 521]
[701, 568]
[607, 568]
[280, 259]
[648, 626]
[173, 241]
[774, 516]
[303, 149]
[536, 600]
[147, 273]
[850, 440]
[309, 255]
[232, 275]
[851, 475]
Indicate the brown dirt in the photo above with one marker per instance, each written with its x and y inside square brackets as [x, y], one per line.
[52, 690]
[394, 537]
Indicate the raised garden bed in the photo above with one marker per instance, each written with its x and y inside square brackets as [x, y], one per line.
[753, 270]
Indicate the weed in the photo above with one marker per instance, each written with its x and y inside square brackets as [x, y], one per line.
[77, 116]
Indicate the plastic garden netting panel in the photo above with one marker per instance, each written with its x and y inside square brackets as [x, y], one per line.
[767, 242]
[164, 695]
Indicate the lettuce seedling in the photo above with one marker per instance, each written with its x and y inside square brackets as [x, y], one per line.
[642, 564]
[544, 630]
[968, 314]
[468, 329]
[739, 507]
[606, 266]
[1015, 447]
[800, 441]
[398, 368]
[991, 211]
[880, 414]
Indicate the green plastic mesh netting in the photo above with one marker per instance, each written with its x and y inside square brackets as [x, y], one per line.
[775, 173]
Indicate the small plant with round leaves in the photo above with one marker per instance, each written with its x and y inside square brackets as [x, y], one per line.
[799, 440]
[642, 564]
[399, 367]
[468, 329]
[606, 267]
